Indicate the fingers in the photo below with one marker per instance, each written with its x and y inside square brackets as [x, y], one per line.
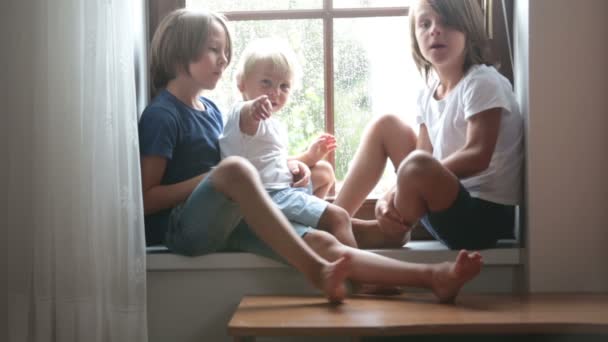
[389, 222]
[327, 136]
[302, 182]
[293, 166]
[328, 141]
[300, 172]
[389, 219]
[261, 108]
[323, 145]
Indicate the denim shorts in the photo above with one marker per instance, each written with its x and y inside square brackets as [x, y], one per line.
[471, 223]
[300, 205]
[208, 222]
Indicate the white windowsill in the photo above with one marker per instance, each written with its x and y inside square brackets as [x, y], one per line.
[416, 251]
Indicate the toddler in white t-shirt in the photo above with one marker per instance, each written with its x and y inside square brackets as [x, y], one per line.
[265, 76]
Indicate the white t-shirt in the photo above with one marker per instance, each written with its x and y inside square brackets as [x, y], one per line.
[480, 89]
[266, 150]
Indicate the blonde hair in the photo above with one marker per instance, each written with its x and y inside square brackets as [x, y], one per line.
[273, 50]
[465, 16]
[179, 41]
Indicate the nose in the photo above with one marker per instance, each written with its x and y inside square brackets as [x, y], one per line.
[273, 92]
[436, 29]
[223, 60]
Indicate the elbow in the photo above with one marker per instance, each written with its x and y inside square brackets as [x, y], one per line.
[148, 204]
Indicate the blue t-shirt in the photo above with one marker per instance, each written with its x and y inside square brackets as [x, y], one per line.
[187, 137]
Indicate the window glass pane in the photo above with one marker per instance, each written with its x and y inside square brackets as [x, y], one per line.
[371, 3]
[304, 114]
[258, 5]
[374, 74]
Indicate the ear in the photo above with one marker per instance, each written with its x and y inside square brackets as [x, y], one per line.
[181, 69]
[240, 84]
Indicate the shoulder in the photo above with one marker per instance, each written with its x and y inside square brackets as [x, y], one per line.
[161, 109]
[485, 77]
[233, 115]
[484, 87]
[484, 81]
[210, 106]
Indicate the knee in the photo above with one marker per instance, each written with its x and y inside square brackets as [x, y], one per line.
[233, 172]
[417, 166]
[383, 122]
[324, 173]
[338, 216]
[389, 120]
[388, 123]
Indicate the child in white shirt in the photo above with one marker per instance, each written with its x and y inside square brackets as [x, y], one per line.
[267, 72]
[462, 175]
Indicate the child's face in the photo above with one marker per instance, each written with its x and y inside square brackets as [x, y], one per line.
[441, 45]
[264, 79]
[208, 68]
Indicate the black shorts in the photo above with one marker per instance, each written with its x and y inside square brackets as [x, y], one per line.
[471, 223]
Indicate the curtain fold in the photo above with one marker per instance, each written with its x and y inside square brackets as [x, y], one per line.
[75, 242]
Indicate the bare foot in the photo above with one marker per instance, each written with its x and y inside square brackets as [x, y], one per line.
[333, 277]
[449, 277]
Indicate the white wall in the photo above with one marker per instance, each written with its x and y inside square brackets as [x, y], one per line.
[567, 159]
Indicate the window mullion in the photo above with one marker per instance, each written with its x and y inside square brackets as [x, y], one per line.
[328, 56]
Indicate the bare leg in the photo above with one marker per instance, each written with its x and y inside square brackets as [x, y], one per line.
[323, 178]
[444, 279]
[369, 235]
[423, 185]
[336, 221]
[386, 138]
[238, 179]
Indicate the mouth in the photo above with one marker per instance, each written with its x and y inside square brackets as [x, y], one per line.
[437, 46]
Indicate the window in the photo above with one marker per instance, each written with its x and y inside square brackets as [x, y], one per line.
[356, 59]
[356, 64]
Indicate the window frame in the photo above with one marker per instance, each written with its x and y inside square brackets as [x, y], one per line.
[497, 31]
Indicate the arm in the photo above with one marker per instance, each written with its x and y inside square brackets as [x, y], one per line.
[158, 197]
[423, 142]
[252, 112]
[476, 154]
[323, 145]
[300, 165]
[395, 230]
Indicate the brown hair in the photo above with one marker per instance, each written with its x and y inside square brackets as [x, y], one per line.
[178, 41]
[465, 16]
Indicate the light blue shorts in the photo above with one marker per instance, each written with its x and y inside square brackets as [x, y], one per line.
[299, 205]
[210, 222]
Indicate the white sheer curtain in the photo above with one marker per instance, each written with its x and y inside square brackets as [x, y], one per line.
[75, 246]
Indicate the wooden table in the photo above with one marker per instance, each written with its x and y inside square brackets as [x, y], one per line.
[419, 314]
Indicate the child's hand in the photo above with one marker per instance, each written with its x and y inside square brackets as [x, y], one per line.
[300, 172]
[260, 108]
[389, 219]
[321, 147]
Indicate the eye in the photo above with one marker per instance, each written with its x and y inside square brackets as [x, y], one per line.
[285, 87]
[425, 23]
[265, 83]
